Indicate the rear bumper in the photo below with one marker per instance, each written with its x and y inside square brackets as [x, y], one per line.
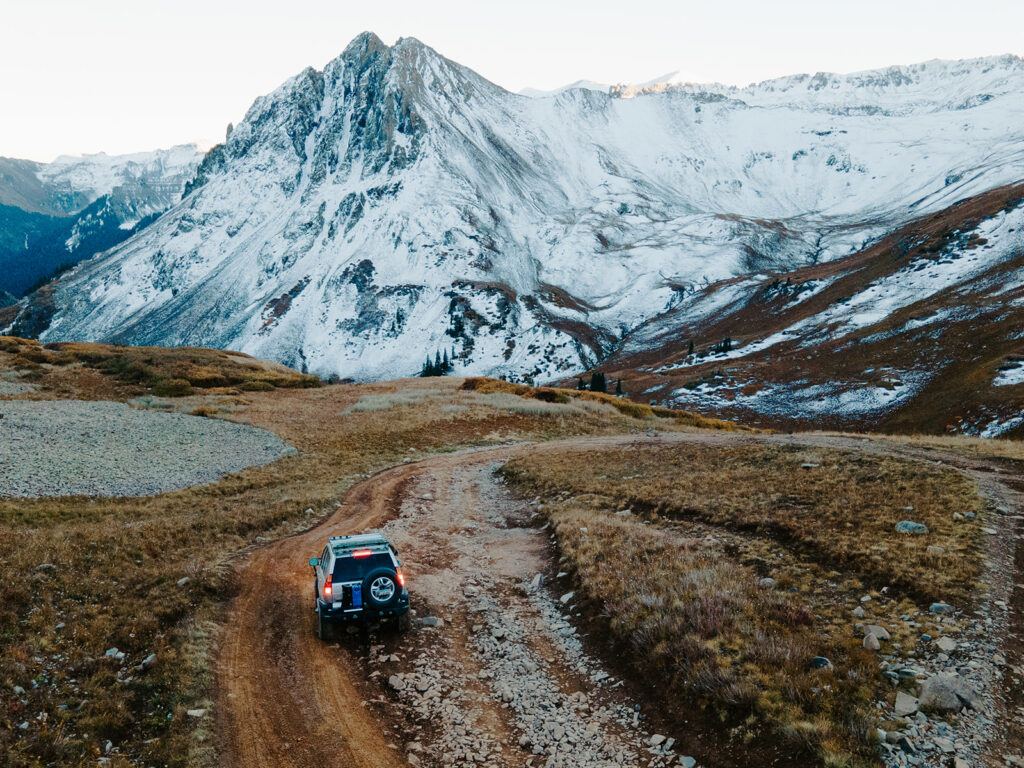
[363, 614]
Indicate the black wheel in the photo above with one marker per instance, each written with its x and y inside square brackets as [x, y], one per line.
[403, 623]
[380, 587]
[324, 629]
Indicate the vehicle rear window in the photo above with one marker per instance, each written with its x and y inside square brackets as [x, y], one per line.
[350, 568]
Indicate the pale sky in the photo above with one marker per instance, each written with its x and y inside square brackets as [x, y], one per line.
[131, 75]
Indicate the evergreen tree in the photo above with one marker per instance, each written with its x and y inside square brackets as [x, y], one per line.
[597, 383]
[618, 388]
[580, 385]
[690, 352]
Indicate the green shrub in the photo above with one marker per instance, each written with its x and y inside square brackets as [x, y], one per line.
[257, 386]
[172, 388]
[549, 395]
[302, 381]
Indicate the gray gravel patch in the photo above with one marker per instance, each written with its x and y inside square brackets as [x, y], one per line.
[71, 448]
[9, 384]
[14, 388]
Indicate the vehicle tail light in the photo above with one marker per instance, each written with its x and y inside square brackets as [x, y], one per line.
[401, 577]
[362, 553]
[328, 589]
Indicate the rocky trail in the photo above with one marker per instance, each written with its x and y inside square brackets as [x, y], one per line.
[495, 671]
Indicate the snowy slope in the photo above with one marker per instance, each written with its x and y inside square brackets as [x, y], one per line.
[921, 331]
[56, 214]
[659, 83]
[396, 203]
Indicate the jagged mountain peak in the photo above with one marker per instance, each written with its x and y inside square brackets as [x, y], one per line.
[396, 203]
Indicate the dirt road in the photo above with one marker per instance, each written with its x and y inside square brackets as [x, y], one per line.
[503, 679]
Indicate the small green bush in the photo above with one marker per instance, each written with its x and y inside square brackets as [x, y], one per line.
[549, 395]
[172, 388]
[257, 386]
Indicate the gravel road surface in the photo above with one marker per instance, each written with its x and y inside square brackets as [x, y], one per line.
[70, 447]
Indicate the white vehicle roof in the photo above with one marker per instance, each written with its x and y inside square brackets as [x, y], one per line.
[341, 544]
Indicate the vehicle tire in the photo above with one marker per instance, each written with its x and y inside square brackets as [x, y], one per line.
[380, 588]
[403, 624]
[324, 629]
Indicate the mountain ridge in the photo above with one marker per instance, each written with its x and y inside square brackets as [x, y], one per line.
[53, 215]
[396, 203]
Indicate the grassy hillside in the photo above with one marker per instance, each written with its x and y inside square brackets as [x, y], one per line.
[105, 372]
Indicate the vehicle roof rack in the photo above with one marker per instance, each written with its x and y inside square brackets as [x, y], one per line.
[341, 543]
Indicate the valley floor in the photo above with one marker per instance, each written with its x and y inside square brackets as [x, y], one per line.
[177, 629]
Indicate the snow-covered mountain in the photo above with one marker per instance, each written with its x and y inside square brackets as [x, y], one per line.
[145, 182]
[661, 83]
[919, 332]
[56, 214]
[396, 203]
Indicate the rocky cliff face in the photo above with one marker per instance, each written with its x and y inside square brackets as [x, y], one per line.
[396, 203]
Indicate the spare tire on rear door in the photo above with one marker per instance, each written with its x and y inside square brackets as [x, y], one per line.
[380, 587]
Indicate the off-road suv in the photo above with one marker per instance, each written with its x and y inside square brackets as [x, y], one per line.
[359, 581]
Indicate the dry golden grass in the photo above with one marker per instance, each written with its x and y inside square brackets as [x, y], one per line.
[678, 580]
[67, 369]
[118, 562]
[841, 512]
[623, 405]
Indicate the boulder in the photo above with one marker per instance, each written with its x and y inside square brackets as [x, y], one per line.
[905, 704]
[880, 632]
[871, 642]
[948, 693]
[906, 745]
[942, 608]
[946, 644]
[909, 526]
